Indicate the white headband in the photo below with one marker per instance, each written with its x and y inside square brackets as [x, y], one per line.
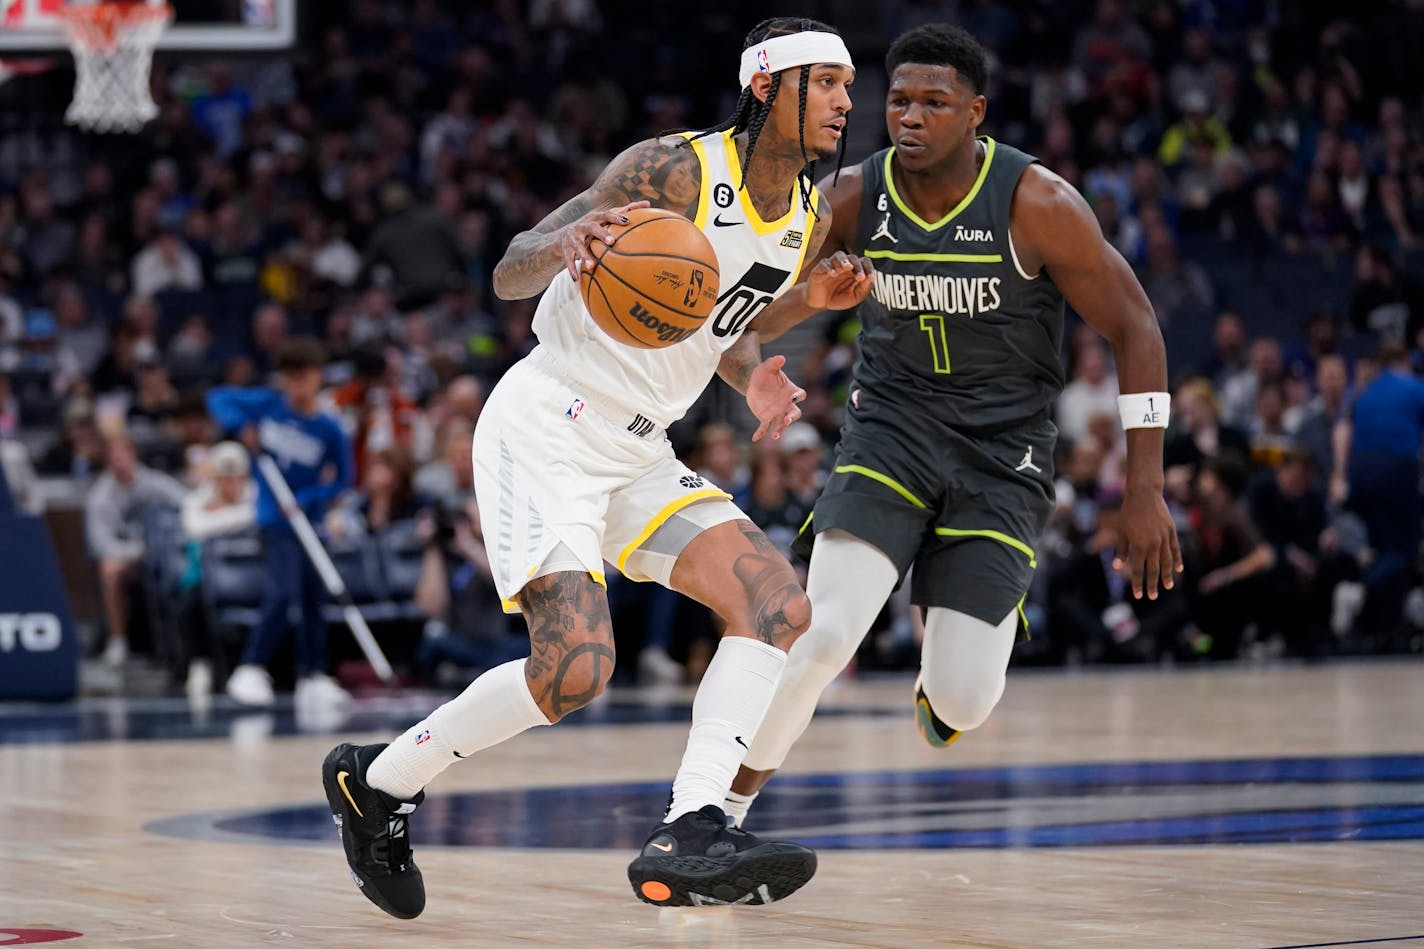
[793, 49]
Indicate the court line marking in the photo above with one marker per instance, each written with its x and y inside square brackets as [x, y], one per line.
[1352, 942]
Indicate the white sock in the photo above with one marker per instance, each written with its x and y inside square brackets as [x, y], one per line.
[728, 709]
[735, 806]
[494, 708]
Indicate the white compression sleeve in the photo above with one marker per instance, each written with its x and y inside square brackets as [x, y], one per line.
[964, 662]
[849, 582]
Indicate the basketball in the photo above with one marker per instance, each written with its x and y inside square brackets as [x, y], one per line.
[656, 285]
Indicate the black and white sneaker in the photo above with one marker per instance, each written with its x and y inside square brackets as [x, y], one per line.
[698, 860]
[373, 831]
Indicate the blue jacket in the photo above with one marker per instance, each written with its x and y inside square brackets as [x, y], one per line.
[1389, 416]
[302, 445]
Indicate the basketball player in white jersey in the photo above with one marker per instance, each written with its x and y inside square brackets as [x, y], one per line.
[573, 468]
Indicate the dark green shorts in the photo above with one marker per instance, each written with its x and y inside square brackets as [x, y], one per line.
[965, 511]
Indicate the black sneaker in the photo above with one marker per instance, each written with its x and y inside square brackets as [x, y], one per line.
[936, 732]
[698, 860]
[373, 831]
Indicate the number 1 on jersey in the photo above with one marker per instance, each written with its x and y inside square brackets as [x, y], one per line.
[933, 325]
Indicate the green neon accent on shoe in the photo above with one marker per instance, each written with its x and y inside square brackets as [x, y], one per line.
[886, 480]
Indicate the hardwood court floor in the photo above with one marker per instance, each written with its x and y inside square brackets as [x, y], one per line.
[1245, 806]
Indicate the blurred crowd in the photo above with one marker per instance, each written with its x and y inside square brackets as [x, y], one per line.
[1260, 165]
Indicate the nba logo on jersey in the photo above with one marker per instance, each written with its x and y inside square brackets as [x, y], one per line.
[575, 409]
[423, 737]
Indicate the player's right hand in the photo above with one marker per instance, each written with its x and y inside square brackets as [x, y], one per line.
[595, 225]
[839, 282]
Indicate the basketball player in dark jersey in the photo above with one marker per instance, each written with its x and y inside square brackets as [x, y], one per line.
[946, 458]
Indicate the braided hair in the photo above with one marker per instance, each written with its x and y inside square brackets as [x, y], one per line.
[751, 113]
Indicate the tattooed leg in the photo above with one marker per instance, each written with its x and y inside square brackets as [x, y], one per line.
[571, 641]
[737, 573]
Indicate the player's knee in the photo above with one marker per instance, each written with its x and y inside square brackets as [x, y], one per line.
[782, 616]
[963, 698]
[565, 676]
[831, 640]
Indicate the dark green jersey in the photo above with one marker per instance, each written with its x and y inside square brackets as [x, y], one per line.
[953, 329]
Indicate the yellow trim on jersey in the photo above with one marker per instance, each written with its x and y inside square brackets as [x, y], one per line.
[704, 196]
[938, 258]
[734, 168]
[968, 198]
[884, 479]
[512, 607]
[660, 518]
[1001, 537]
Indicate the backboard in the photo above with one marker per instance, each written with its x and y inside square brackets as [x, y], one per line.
[30, 26]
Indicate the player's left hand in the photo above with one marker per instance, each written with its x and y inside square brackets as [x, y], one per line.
[772, 397]
[839, 282]
[1151, 541]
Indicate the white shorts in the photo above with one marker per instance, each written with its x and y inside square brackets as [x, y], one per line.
[554, 465]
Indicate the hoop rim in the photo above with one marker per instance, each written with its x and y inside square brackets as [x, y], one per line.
[111, 16]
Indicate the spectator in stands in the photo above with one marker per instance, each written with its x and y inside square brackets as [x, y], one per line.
[1092, 390]
[804, 453]
[1323, 413]
[1382, 470]
[113, 525]
[314, 456]
[80, 338]
[1197, 126]
[1228, 356]
[1292, 517]
[415, 248]
[270, 333]
[376, 413]
[1178, 289]
[466, 628]
[1091, 605]
[233, 260]
[79, 454]
[1264, 365]
[1387, 300]
[770, 503]
[1271, 439]
[383, 496]
[1228, 594]
[151, 414]
[20, 476]
[1197, 434]
[448, 481]
[221, 110]
[167, 263]
[718, 457]
[49, 237]
[9, 408]
[225, 501]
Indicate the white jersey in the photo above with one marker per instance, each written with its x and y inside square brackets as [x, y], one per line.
[757, 261]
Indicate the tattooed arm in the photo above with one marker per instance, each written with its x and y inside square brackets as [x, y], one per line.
[663, 173]
[771, 396]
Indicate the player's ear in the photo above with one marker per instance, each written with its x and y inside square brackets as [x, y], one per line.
[761, 85]
[976, 111]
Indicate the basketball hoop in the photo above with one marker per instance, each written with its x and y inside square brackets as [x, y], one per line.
[113, 47]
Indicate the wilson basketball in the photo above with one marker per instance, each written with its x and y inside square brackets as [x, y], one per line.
[656, 285]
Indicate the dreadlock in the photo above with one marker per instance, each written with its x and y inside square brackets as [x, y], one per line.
[751, 113]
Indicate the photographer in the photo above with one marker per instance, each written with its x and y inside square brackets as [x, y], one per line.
[466, 630]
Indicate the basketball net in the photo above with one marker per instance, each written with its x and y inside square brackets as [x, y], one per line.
[113, 46]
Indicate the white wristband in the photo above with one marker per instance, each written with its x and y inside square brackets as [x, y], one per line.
[1144, 409]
